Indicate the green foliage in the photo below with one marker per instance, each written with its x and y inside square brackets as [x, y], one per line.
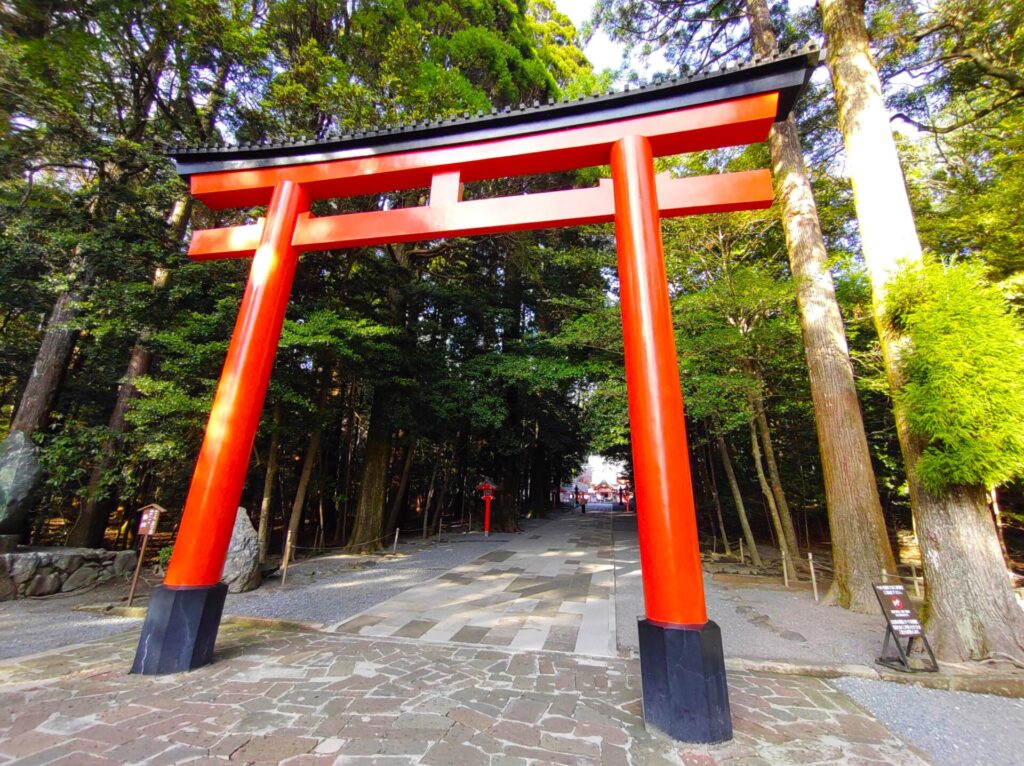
[964, 390]
[164, 555]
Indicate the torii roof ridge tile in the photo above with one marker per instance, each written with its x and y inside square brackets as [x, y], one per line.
[786, 72]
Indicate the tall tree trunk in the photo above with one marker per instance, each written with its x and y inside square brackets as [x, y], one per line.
[430, 495]
[766, 490]
[267, 498]
[960, 551]
[367, 529]
[97, 506]
[741, 511]
[705, 470]
[774, 479]
[92, 521]
[403, 483]
[860, 544]
[308, 461]
[540, 476]
[49, 367]
[997, 517]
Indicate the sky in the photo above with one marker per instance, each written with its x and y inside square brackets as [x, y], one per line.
[602, 52]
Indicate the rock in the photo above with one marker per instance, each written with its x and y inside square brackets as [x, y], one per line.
[242, 568]
[24, 567]
[44, 585]
[20, 477]
[8, 543]
[70, 563]
[8, 589]
[80, 578]
[124, 562]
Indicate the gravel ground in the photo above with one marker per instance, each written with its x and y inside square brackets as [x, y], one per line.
[28, 626]
[330, 589]
[325, 590]
[763, 622]
[953, 728]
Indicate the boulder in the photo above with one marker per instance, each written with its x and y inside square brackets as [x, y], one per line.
[20, 477]
[124, 562]
[80, 578]
[242, 567]
[43, 585]
[24, 566]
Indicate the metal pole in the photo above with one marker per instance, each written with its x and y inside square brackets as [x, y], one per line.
[138, 568]
[743, 559]
[394, 546]
[885, 576]
[487, 517]
[666, 515]
[814, 579]
[785, 569]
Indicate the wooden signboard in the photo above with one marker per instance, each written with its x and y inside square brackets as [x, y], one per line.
[902, 622]
[149, 517]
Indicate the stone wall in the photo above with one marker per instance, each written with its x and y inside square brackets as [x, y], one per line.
[44, 571]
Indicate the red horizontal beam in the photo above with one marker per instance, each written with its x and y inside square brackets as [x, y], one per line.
[726, 123]
[447, 217]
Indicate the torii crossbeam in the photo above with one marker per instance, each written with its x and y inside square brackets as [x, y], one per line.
[682, 666]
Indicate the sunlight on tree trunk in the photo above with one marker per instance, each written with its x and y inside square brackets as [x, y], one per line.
[963, 566]
[860, 543]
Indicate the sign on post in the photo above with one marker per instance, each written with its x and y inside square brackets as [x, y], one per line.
[149, 517]
[902, 622]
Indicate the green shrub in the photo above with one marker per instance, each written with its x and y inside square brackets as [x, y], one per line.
[164, 556]
[964, 373]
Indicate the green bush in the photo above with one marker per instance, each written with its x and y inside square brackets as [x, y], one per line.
[964, 373]
[164, 556]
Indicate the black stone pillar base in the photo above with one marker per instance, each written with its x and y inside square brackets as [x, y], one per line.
[180, 628]
[684, 688]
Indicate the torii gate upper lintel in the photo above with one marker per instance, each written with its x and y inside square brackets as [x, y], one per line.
[737, 106]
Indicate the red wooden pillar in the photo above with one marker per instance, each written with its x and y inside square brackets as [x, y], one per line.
[682, 665]
[184, 614]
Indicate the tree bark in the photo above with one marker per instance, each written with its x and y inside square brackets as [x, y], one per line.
[367, 529]
[860, 544]
[49, 367]
[960, 551]
[707, 474]
[91, 525]
[773, 509]
[403, 483]
[266, 501]
[290, 538]
[741, 511]
[430, 495]
[774, 479]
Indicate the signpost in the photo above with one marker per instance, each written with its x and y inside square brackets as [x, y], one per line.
[487, 493]
[149, 517]
[902, 622]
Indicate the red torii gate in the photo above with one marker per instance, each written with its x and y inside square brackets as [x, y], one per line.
[682, 666]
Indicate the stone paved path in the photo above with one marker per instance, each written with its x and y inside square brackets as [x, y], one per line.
[552, 589]
[320, 698]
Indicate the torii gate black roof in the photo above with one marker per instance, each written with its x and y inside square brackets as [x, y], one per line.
[787, 73]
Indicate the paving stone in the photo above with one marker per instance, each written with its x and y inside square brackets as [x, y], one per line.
[311, 698]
